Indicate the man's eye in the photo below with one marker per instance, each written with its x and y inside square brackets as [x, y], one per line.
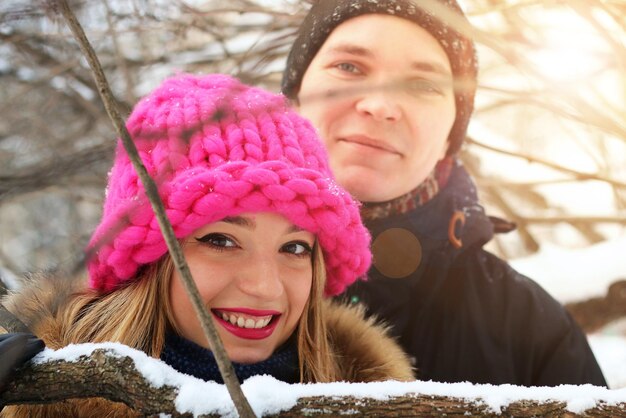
[217, 240]
[424, 86]
[298, 248]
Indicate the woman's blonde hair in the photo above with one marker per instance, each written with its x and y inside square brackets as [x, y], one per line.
[139, 315]
[317, 360]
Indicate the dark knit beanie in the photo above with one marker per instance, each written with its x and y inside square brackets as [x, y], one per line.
[326, 15]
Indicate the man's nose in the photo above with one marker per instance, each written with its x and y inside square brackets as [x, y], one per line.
[261, 278]
[380, 104]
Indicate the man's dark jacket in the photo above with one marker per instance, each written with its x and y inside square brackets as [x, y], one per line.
[465, 314]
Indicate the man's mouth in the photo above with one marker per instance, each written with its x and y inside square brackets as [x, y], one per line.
[371, 143]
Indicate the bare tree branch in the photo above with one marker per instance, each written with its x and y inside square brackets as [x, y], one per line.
[226, 368]
[50, 173]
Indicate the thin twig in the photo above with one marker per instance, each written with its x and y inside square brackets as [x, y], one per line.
[224, 364]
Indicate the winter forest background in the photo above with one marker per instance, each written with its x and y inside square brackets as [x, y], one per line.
[547, 145]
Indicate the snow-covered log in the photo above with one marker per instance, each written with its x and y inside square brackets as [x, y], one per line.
[121, 374]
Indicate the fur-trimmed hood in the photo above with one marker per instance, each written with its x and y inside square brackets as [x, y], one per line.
[367, 354]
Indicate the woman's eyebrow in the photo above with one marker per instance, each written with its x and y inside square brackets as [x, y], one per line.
[240, 221]
[294, 228]
[251, 224]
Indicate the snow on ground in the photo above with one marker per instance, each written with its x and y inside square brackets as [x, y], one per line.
[269, 396]
[609, 347]
[610, 352]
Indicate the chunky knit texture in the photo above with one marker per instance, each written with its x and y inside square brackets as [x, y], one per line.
[219, 148]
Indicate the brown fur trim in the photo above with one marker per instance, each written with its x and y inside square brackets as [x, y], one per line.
[366, 352]
[73, 408]
[40, 304]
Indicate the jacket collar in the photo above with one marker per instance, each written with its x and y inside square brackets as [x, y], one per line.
[453, 218]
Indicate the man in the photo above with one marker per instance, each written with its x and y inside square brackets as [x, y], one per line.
[391, 87]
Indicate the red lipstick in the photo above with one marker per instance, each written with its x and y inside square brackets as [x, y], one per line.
[248, 314]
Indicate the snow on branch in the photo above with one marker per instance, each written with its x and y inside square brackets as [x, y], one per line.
[119, 373]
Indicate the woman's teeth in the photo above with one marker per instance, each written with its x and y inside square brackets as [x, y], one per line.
[246, 322]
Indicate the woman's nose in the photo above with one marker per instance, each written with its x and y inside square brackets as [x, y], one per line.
[261, 278]
[379, 104]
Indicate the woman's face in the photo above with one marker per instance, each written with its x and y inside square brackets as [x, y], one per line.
[380, 93]
[254, 274]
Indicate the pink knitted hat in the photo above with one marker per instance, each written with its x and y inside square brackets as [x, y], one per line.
[218, 148]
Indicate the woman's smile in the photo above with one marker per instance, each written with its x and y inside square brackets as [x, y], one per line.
[247, 323]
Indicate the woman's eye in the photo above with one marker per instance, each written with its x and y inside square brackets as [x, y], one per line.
[297, 248]
[217, 240]
[347, 67]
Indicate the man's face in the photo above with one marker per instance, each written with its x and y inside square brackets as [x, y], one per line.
[380, 93]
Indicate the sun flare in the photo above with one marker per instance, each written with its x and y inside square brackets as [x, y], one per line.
[571, 49]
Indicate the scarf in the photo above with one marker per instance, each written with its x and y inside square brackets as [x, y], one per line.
[425, 191]
[188, 357]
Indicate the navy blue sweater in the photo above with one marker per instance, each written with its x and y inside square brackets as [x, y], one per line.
[188, 357]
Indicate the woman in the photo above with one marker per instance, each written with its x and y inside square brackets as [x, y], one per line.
[265, 230]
